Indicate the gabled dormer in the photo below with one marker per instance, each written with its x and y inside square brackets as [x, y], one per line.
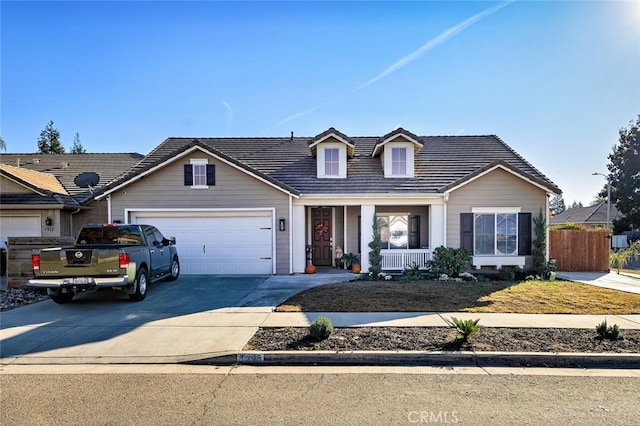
[331, 149]
[397, 151]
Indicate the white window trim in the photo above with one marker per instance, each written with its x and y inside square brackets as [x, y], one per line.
[199, 161]
[342, 160]
[495, 212]
[387, 159]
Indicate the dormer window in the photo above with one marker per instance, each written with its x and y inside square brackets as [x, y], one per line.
[397, 151]
[331, 162]
[331, 150]
[399, 161]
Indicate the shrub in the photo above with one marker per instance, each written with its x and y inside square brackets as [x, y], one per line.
[375, 256]
[466, 328]
[449, 261]
[508, 273]
[539, 251]
[611, 332]
[466, 276]
[411, 273]
[320, 329]
[569, 226]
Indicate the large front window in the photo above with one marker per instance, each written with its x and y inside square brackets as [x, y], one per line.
[394, 231]
[331, 162]
[398, 161]
[496, 234]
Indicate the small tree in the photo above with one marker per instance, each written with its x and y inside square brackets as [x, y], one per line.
[77, 147]
[540, 243]
[556, 204]
[375, 258]
[49, 140]
[3, 145]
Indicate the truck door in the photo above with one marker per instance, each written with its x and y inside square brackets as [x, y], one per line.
[159, 254]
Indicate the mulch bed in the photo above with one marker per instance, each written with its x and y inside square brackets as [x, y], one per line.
[443, 339]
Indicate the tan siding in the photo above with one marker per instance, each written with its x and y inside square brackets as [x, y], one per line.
[164, 189]
[496, 189]
[353, 212]
[339, 227]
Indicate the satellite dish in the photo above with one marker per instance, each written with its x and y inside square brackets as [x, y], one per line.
[87, 180]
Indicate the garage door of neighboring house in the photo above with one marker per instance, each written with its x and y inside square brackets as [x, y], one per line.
[214, 242]
[20, 226]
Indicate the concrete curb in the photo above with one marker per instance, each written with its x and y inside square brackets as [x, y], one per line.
[396, 358]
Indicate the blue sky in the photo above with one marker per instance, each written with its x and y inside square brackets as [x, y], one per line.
[555, 80]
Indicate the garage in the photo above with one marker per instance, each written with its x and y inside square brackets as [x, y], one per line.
[20, 226]
[217, 242]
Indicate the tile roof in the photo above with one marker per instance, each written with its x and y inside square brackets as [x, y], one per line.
[596, 214]
[288, 163]
[65, 167]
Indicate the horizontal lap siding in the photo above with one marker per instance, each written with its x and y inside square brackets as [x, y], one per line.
[234, 189]
[496, 189]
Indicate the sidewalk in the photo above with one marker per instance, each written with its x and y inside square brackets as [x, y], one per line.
[438, 319]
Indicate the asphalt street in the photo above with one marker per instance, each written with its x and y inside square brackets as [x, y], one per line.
[197, 395]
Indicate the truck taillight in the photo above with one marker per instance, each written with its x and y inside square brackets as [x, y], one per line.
[124, 260]
[35, 261]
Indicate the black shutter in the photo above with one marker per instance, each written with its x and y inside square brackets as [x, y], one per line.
[211, 174]
[359, 234]
[466, 231]
[524, 234]
[414, 232]
[188, 174]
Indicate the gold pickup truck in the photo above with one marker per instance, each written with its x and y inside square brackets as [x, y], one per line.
[122, 257]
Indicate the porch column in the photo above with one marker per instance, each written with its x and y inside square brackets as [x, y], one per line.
[366, 223]
[298, 246]
[437, 224]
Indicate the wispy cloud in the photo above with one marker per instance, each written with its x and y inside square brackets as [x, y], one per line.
[229, 115]
[459, 132]
[298, 115]
[434, 42]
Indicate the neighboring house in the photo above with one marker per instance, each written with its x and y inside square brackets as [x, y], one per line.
[39, 196]
[254, 205]
[592, 217]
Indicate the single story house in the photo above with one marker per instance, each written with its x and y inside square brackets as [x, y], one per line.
[51, 195]
[594, 216]
[271, 205]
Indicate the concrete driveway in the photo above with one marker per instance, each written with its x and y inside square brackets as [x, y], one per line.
[623, 282]
[192, 318]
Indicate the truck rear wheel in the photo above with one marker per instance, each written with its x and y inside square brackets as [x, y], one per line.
[141, 286]
[62, 298]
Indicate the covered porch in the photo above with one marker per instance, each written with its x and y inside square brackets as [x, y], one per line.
[409, 229]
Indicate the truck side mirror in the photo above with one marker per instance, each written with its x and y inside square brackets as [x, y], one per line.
[172, 240]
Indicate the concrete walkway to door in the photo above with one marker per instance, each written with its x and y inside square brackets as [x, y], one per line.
[628, 282]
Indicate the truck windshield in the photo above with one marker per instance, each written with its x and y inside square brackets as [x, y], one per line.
[129, 235]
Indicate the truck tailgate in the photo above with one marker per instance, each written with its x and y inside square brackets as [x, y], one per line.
[77, 262]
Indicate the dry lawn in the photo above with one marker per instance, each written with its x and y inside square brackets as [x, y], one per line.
[531, 297]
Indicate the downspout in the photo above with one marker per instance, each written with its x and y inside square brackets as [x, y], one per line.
[546, 219]
[109, 209]
[290, 234]
[71, 220]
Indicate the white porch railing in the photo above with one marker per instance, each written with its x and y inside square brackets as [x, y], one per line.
[397, 260]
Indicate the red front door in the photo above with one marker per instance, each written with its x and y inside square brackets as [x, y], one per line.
[321, 236]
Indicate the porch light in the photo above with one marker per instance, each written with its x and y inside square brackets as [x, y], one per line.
[281, 224]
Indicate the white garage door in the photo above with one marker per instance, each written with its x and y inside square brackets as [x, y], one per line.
[217, 242]
[20, 226]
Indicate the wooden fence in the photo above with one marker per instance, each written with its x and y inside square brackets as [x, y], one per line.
[19, 256]
[580, 250]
